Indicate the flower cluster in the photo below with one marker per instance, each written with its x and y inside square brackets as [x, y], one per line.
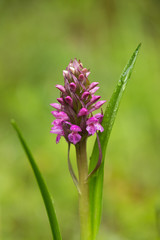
[77, 102]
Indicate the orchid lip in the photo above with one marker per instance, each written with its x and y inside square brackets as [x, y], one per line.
[74, 138]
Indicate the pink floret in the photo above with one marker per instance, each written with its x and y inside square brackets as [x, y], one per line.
[57, 129]
[93, 125]
[99, 116]
[74, 137]
[60, 115]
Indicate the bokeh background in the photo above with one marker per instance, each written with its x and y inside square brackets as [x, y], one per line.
[37, 41]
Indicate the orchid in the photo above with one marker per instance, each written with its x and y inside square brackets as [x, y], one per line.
[76, 122]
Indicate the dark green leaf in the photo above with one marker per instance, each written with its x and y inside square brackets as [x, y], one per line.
[96, 181]
[42, 186]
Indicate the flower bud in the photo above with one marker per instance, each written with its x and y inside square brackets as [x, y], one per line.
[81, 77]
[56, 106]
[72, 70]
[72, 86]
[61, 88]
[85, 95]
[92, 85]
[93, 90]
[69, 100]
[82, 112]
[60, 100]
[94, 99]
[99, 104]
[65, 73]
[87, 74]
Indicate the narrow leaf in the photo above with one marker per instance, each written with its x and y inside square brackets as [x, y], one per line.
[42, 186]
[96, 181]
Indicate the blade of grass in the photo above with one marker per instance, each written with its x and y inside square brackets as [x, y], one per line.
[96, 181]
[42, 186]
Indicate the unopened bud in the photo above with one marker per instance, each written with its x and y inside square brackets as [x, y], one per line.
[61, 88]
[87, 74]
[72, 86]
[72, 70]
[60, 100]
[99, 104]
[84, 70]
[85, 95]
[83, 112]
[93, 85]
[92, 91]
[81, 77]
[94, 99]
[65, 73]
[69, 100]
[56, 106]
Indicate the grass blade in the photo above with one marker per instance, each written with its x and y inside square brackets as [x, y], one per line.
[96, 182]
[42, 186]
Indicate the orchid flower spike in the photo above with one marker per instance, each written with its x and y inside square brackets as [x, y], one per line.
[76, 104]
[74, 111]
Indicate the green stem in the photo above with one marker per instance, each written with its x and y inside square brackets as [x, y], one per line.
[84, 212]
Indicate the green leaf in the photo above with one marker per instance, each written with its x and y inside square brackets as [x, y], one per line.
[42, 186]
[96, 181]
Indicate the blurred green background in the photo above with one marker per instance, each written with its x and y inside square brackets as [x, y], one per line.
[37, 41]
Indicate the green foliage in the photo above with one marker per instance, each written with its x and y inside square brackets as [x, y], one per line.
[96, 182]
[42, 186]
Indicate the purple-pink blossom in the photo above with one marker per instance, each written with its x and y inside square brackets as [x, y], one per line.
[74, 136]
[57, 129]
[93, 125]
[74, 118]
[60, 115]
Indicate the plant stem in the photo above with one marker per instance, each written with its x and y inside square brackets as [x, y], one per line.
[84, 212]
